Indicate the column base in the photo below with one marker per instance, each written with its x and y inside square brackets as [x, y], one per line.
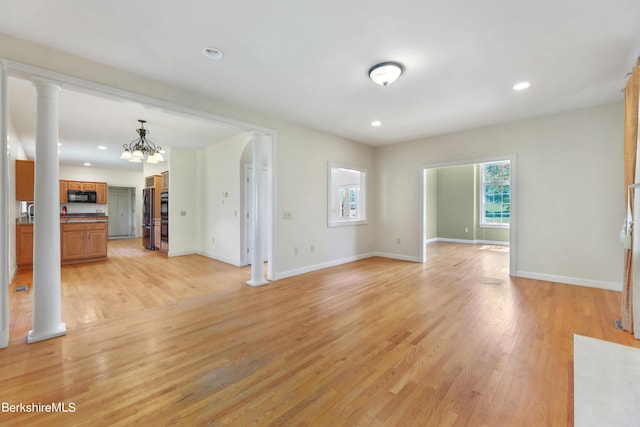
[58, 332]
[256, 283]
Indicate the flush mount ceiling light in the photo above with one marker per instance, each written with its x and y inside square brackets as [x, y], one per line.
[141, 148]
[376, 123]
[212, 53]
[385, 72]
[521, 86]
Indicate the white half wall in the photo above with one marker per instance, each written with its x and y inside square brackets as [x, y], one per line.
[183, 210]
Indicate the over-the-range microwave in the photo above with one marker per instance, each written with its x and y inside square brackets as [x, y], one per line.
[77, 196]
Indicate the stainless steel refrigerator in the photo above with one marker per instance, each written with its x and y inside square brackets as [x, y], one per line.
[147, 218]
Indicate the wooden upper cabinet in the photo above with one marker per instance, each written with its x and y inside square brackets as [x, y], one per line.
[89, 186]
[101, 192]
[24, 180]
[64, 186]
[74, 185]
[165, 181]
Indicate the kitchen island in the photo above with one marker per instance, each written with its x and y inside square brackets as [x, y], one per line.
[83, 238]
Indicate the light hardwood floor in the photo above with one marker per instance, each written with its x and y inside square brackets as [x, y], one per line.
[378, 342]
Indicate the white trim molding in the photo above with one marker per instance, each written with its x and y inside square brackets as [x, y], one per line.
[334, 263]
[398, 256]
[473, 242]
[611, 286]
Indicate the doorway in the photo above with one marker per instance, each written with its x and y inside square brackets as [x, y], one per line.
[473, 231]
[121, 203]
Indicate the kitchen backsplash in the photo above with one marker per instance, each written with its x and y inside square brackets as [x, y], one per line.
[84, 208]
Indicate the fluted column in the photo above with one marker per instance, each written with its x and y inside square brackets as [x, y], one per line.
[257, 223]
[47, 299]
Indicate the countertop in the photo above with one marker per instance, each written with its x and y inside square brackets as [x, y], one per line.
[72, 219]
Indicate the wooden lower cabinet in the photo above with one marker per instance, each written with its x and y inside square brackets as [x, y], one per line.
[79, 242]
[83, 241]
[24, 245]
[157, 233]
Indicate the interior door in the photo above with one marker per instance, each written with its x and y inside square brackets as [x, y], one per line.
[120, 202]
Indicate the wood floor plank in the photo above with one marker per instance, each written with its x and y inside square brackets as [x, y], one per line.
[184, 341]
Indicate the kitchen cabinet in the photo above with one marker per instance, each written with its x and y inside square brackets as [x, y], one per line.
[24, 245]
[74, 185]
[165, 181]
[25, 184]
[24, 180]
[99, 187]
[64, 186]
[157, 233]
[101, 192]
[85, 241]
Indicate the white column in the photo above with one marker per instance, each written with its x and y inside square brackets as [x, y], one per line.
[47, 300]
[257, 223]
[4, 209]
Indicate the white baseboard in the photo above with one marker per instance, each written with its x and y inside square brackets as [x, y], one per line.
[310, 268]
[181, 253]
[397, 256]
[472, 242]
[435, 239]
[611, 286]
[221, 259]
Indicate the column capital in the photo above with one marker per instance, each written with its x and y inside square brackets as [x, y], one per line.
[46, 88]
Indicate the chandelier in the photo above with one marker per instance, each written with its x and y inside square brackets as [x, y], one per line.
[141, 148]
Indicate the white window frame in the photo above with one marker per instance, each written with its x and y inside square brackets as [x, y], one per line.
[335, 216]
[483, 219]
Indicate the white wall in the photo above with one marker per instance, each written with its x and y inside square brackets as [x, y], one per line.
[220, 195]
[183, 210]
[569, 189]
[302, 188]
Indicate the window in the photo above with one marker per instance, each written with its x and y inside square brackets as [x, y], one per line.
[347, 195]
[495, 194]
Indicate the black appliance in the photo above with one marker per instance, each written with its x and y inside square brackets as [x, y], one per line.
[77, 196]
[164, 217]
[147, 218]
[164, 205]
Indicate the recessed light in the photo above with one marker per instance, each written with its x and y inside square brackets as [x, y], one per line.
[87, 164]
[521, 86]
[212, 53]
[376, 123]
[101, 147]
[59, 144]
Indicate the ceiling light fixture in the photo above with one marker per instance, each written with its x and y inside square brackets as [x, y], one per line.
[212, 53]
[101, 147]
[521, 86]
[141, 148]
[385, 73]
[376, 123]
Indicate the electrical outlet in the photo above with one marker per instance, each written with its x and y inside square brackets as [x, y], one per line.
[466, 229]
[213, 240]
[183, 213]
[295, 251]
[398, 240]
[286, 215]
[313, 248]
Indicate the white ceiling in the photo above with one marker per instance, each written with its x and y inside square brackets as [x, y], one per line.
[307, 61]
